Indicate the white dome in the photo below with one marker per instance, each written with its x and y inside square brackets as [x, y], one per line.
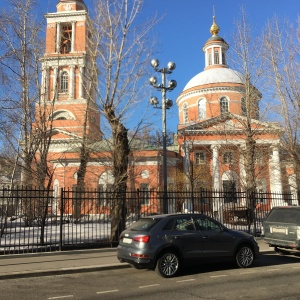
[215, 75]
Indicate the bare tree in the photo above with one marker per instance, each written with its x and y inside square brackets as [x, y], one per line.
[282, 59]
[246, 58]
[27, 131]
[21, 89]
[122, 62]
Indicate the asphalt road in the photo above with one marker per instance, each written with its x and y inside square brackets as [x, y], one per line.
[272, 277]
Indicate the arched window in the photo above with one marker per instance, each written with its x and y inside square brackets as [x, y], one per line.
[63, 115]
[202, 109]
[64, 82]
[185, 113]
[223, 105]
[244, 107]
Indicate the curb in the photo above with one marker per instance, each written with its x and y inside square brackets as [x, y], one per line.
[63, 271]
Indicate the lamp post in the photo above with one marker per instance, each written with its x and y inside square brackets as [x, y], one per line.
[166, 104]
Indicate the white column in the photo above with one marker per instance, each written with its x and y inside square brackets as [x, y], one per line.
[81, 74]
[73, 36]
[72, 81]
[218, 203]
[58, 37]
[220, 55]
[55, 82]
[45, 84]
[275, 177]
[242, 171]
[215, 167]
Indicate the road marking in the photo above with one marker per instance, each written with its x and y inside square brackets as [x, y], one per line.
[61, 297]
[216, 276]
[106, 292]
[147, 286]
[186, 280]
[271, 270]
[296, 267]
[249, 272]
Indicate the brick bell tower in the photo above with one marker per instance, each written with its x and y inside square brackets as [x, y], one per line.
[68, 89]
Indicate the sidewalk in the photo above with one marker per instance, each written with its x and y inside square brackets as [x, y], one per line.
[67, 262]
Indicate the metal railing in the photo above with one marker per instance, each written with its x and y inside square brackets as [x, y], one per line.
[33, 220]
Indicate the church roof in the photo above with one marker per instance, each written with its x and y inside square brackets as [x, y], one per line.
[215, 75]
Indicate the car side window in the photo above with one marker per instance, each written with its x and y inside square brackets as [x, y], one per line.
[184, 224]
[169, 225]
[207, 224]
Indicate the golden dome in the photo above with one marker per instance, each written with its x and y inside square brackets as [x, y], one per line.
[214, 29]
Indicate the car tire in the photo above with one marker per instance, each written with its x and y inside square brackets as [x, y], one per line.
[244, 257]
[168, 264]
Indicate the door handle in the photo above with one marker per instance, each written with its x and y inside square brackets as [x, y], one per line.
[177, 237]
[205, 237]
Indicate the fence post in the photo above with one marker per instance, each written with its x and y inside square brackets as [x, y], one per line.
[61, 218]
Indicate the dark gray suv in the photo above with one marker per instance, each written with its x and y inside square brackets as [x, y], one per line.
[166, 242]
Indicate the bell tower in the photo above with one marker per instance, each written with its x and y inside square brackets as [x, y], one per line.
[68, 76]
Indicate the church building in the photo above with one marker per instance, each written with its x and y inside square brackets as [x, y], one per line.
[212, 111]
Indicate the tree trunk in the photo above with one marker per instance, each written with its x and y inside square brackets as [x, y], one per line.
[120, 155]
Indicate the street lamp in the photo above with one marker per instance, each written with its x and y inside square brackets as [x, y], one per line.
[166, 104]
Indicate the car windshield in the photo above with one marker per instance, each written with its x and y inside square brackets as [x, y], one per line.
[143, 224]
[284, 215]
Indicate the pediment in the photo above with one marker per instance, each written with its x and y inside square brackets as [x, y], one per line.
[230, 123]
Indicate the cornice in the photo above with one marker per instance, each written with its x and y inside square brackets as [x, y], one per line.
[64, 14]
[202, 91]
[203, 132]
[58, 61]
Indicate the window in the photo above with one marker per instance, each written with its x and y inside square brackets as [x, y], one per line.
[64, 82]
[65, 38]
[229, 191]
[243, 107]
[223, 57]
[217, 57]
[184, 224]
[259, 157]
[144, 194]
[62, 115]
[200, 157]
[224, 105]
[207, 224]
[104, 194]
[227, 157]
[185, 113]
[202, 109]
[209, 57]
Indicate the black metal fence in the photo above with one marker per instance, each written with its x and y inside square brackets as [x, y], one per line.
[33, 220]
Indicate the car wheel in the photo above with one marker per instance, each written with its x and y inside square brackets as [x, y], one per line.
[167, 264]
[244, 257]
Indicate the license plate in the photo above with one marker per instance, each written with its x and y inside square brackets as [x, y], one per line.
[127, 241]
[279, 230]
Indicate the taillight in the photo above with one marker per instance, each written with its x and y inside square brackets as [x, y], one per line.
[142, 238]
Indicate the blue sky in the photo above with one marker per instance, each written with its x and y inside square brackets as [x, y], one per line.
[185, 28]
